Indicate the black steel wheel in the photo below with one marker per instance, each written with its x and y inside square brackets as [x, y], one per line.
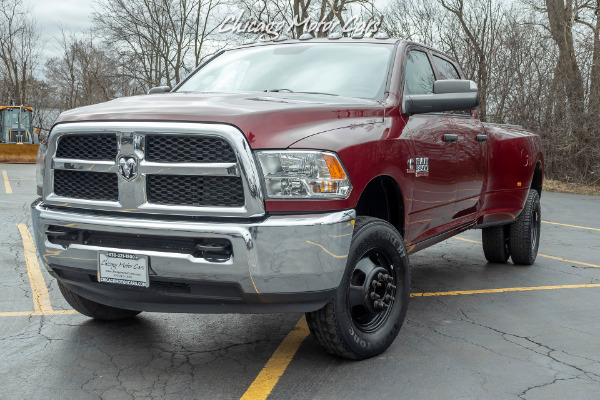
[370, 304]
[371, 290]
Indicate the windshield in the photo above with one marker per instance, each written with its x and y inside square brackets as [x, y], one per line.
[351, 70]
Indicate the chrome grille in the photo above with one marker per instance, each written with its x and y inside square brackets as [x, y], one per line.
[196, 149]
[87, 147]
[214, 191]
[86, 185]
[153, 168]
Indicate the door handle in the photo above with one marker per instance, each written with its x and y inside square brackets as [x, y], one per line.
[482, 138]
[449, 138]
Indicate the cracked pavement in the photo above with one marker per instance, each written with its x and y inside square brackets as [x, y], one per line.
[515, 345]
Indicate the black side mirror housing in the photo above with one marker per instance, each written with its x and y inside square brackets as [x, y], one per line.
[448, 95]
[159, 89]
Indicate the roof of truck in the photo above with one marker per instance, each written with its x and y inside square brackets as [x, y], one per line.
[371, 40]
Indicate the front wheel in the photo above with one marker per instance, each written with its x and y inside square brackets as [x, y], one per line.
[370, 304]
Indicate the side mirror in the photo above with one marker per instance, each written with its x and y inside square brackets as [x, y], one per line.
[159, 89]
[448, 95]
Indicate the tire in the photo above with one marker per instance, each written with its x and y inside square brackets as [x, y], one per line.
[525, 231]
[352, 325]
[496, 244]
[95, 310]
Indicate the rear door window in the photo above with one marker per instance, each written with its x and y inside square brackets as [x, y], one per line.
[445, 68]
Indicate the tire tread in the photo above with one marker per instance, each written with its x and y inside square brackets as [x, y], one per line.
[494, 247]
[520, 233]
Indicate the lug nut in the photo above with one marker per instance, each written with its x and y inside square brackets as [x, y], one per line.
[390, 286]
[375, 284]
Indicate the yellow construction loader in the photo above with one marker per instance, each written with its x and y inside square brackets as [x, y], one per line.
[18, 140]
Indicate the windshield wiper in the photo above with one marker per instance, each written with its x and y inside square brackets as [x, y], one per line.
[291, 91]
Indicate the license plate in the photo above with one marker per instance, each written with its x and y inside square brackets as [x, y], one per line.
[123, 269]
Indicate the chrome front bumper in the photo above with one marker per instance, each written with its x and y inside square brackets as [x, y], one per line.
[280, 255]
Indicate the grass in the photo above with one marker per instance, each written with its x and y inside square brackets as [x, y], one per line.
[567, 187]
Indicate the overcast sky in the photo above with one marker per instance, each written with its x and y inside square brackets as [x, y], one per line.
[73, 15]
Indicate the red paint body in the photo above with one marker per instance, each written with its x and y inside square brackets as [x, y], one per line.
[469, 183]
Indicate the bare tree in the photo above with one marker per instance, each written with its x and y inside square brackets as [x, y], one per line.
[561, 16]
[588, 15]
[84, 74]
[421, 21]
[161, 39]
[480, 21]
[19, 49]
[299, 14]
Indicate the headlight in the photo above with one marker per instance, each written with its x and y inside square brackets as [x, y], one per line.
[41, 160]
[303, 174]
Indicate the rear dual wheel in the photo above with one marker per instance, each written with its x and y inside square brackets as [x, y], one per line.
[369, 308]
[519, 240]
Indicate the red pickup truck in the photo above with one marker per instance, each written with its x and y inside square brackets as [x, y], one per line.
[296, 175]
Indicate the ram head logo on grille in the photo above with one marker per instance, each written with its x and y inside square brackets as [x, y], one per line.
[128, 167]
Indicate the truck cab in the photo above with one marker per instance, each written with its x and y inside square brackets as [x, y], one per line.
[16, 124]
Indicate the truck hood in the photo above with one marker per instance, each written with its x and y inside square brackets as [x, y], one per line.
[269, 120]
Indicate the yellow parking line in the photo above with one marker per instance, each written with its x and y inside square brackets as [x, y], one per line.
[63, 312]
[503, 290]
[29, 313]
[277, 364]
[41, 298]
[572, 226]
[466, 240]
[16, 314]
[569, 261]
[541, 255]
[6, 182]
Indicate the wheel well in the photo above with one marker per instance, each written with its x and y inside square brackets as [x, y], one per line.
[382, 199]
[538, 178]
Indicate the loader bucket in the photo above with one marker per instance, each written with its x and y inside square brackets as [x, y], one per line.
[18, 153]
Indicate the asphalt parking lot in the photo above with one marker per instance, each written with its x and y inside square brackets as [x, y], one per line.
[474, 330]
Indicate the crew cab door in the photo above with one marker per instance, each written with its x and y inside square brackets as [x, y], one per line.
[432, 165]
[471, 149]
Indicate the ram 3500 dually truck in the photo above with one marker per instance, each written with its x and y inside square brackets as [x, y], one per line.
[283, 176]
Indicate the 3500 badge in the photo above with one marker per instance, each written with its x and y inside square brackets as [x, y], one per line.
[418, 166]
